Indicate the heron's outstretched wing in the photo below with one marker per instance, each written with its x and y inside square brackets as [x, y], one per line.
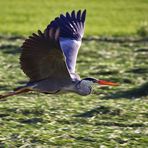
[71, 32]
[42, 57]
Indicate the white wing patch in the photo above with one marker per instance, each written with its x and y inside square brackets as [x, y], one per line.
[70, 49]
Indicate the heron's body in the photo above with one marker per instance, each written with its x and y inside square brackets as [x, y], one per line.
[49, 58]
[51, 86]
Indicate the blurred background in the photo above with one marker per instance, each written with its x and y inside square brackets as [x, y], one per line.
[109, 17]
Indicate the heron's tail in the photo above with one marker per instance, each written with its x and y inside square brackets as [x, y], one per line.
[16, 91]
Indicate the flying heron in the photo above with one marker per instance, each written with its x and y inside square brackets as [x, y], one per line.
[49, 58]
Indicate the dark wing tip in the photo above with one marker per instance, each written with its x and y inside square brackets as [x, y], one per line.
[71, 25]
[67, 15]
[83, 16]
[40, 33]
[73, 15]
[34, 35]
[79, 15]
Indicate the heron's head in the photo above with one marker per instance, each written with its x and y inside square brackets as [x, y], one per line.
[84, 86]
[90, 81]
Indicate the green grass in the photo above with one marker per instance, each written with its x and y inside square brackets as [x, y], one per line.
[110, 117]
[104, 17]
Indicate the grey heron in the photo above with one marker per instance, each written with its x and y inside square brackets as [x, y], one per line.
[49, 58]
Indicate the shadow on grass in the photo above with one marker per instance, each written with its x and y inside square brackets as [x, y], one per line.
[99, 110]
[138, 70]
[34, 112]
[10, 49]
[119, 124]
[31, 120]
[137, 92]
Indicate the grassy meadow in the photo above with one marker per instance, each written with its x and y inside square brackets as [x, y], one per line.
[111, 116]
[104, 17]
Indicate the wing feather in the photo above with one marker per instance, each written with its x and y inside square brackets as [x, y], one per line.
[71, 32]
[71, 25]
[53, 53]
[42, 57]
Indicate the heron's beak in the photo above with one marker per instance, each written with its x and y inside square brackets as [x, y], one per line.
[103, 82]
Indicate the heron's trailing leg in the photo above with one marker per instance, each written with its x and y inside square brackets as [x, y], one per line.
[17, 91]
